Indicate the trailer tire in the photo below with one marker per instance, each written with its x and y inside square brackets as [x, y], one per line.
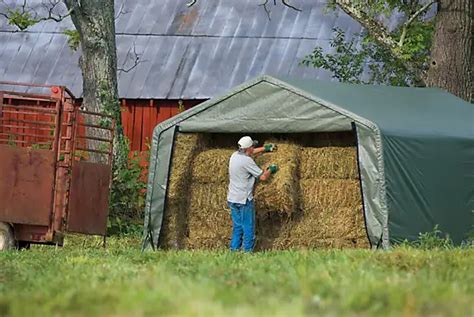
[7, 239]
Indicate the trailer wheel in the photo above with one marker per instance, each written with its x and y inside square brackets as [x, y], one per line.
[7, 240]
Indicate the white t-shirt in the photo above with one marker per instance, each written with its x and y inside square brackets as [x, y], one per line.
[242, 174]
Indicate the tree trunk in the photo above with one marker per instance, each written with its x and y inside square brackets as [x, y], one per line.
[95, 22]
[452, 53]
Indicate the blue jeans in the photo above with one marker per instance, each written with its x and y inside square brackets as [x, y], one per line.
[243, 221]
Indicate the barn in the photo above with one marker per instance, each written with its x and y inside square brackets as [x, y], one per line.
[187, 55]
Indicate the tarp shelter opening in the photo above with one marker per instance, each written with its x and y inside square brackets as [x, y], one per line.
[415, 148]
[314, 201]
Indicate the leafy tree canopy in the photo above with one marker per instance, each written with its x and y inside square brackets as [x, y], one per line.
[397, 56]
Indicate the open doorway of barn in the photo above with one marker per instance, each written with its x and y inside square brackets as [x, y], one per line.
[314, 201]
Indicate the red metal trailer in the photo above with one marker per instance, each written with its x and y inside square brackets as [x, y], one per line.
[55, 166]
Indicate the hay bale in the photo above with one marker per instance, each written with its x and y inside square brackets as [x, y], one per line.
[174, 224]
[209, 219]
[186, 146]
[330, 217]
[280, 192]
[329, 162]
[268, 230]
[208, 198]
[211, 165]
[340, 227]
[320, 194]
[329, 223]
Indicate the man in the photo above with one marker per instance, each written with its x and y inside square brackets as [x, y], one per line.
[243, 172]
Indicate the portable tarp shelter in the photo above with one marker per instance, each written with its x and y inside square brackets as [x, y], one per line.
[415, 148]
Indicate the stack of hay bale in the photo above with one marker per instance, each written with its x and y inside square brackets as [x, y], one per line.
[313, 201]
[209, 221]
[277, 198]
[174, 227]
[280, 193]
[330, 199]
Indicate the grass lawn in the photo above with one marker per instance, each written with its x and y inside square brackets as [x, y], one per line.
[83, 279]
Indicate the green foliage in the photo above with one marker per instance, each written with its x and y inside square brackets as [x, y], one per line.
[383, 8]
[21, 19]
[128, 186]
[11, 139]
[434, 240]
[37, 146]
[124, 226]
[383, 68]
[181, 107]
[431, 240]
[348, 60]
[84, 279]
[469, 242]
[346, 64]
[74, 39]
[127, 198]
[109, 105]
[417, 42]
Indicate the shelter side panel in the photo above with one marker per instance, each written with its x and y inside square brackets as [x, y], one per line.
[428, 185]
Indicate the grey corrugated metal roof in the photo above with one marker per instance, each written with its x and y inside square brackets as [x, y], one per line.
[196, 52]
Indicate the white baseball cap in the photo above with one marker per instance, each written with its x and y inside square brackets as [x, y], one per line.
[245, 142]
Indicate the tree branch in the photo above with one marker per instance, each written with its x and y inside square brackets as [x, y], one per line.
[136, 61]
[267, 11]
[285, 2]
[4, 15]
[121, 11]
[410, 21]
[75, 8]
[23, 16]
[380, 34]
[51, 16]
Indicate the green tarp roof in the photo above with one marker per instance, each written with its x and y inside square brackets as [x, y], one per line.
[398, 110]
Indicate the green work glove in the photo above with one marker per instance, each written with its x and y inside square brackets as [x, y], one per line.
[273, 168]
[270, 147]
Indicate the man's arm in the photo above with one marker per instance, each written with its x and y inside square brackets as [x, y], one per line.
[266, 148]
[258, 150]
[265, 175]
[257, 172]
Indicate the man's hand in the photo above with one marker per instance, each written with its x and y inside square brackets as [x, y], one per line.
[270, 147]
[273, 168]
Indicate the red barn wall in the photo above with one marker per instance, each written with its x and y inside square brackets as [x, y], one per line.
[140, 116]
